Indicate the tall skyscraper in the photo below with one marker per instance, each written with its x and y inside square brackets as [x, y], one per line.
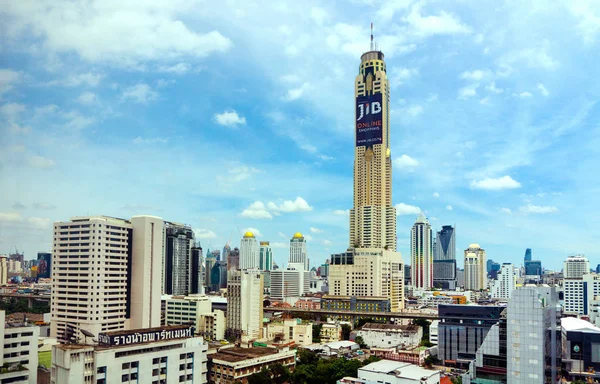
[249, 252]
[372, 218]
[178, 259]
[445, 244]
[475, 268]
[266, 256]
[371, 266]
[245, 304]
[421, 254]
[575, 267]
[225, 254]
[527, 254]
[197, 269]
[209, 263]
[298, 251]
[3, 270]
[444, 258]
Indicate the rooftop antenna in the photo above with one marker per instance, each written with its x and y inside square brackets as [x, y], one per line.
[371, 36]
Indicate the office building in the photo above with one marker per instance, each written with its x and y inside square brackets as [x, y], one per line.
[245, 304]
[289, 285]
[461, 331]
[421, 254]
[490, 361]
[266, 256]
[234, 365]
[197, 269]
[166, 355]
[533, 336]
[225, 254]
[580, 349]
[444, 258]
[91, 281]
[19, 357]
[368, 272]
[209, 263]
[249, 252]
[298, 253]
[527, 255]
[460, 277]
[505, 284]
[574, 267]
[296, 331]
[475, 268]
[178, 259]
[196, 310]
[324, 270]
[533, 268]
[372, 217]
[580, 296]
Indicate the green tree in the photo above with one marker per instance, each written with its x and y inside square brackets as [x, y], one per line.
[279, 373]
[370, 359]
[346, 329]
[316, 332]
[262, 377]
[456, 380]
[360, 341]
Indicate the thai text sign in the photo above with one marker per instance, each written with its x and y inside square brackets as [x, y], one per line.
[145, 335]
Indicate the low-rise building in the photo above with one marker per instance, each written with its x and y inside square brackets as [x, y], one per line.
[339, 348]
[581, 349]
[166, 355]
[290, 330]
[389, 335]
[19, 352]
[233, 365]
[433, 331]
[393, 372]
[196, 310]
[330, 332]
[308, 303]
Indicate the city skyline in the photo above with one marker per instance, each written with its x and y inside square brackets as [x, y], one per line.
[482, 123]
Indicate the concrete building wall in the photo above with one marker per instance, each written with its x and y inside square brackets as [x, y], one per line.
[19, 346]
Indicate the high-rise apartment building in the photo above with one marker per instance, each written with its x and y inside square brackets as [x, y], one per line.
[372, 217]
[505, 284]
[475, 268]
[533, 336]
[245, 303]
[178, 259]
[421, 254]
[266, 256]
[444, 258]
[249, 252]
[209, 263]
[225, 253]
[574, 267]
[3, 270]
[298, 253]
[197, 269]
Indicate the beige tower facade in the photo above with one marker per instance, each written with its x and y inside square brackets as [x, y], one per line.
[373, 217]
[475, 268]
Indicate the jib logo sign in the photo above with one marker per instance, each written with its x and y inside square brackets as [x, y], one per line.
[373, 108]
[369, 120]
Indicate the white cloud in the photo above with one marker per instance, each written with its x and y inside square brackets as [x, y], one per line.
[178, 69]
[202, 233]
[436, 195]
[298, 205]
[87, 98]
[468, 91]
[12, 110]
[229, 119]
[75, 121]
[8, 78]
[529, 208]
[508, 211]
[341, 212]
[290, 79]
[405, 209]
[485, 101]
[43, 206]
[316, 230]
[449, 207]
[470, 144]
[279, 245]
[475, 75]
[139, 93]
[523, 95]
[325, 157]
[327, 242]
[237, 173]
[308, 237]
[543, 90]
[75, 80]
[442, 24]
[319, 15]
[406, 163]
[504, 182]
[255, 231]
[122, 33]
[398, 75]
[281, 234]
[161, 83]
[491, 87]
[39, 222]
[296, 93]
[10, 217]
[46, 110]
[256, 210]
[40, 162]
[413, 110]
[149, 140]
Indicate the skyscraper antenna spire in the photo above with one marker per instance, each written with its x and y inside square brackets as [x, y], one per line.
[371, 36]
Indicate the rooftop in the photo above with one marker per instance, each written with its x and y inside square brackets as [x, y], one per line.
[389, 327]
[156, 329]
[236, 354]
[340, 344]
[399, 369]
[575, 324]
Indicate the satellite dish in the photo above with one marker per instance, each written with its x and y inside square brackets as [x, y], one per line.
[87, 333]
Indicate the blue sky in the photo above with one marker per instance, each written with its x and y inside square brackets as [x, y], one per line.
[238, 114]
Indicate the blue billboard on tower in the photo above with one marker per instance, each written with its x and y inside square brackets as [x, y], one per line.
[44, 265]
[369, 120]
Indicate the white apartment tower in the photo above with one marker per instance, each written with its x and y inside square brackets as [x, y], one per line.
[574, 267]
[475, 268]
[3, 270]
[298, 251]
[372, 217]
[245, 303]
[249, 252]
[421, 254]
[504, 286]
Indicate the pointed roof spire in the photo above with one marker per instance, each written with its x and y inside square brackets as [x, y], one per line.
[371, 36]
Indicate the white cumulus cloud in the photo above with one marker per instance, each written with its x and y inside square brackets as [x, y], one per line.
[475, 75]
[229, 119]
[508, 211]
[405, 209]
[298, 205]
[504, 182]
[529, 208]
[543, 90]
[255, 231]
[341, 212]
[406, 163]
[87, 98]
[316, 230]
[139, 93]
[202, 233]
[449, 207]
[256, 210]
